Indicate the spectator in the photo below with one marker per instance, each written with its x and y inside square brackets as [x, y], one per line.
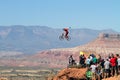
[102, 68]
[107, 68]
[94, 60]
[99, 58]
[89, 74]
[113, 63]
[98, 73]
[91, 60]
[116, 66]
[82, 60]
[71, 60]
[88, 62]
[93, 69]
[118, 60]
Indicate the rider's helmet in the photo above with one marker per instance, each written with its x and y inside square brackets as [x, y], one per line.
[65, 29]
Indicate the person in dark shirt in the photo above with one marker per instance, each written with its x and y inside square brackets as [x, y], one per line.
[71, 60]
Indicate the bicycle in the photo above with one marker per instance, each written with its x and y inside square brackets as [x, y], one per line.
[62, 37]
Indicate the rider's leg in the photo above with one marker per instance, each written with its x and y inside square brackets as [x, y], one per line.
[62, 34]
[66, 35]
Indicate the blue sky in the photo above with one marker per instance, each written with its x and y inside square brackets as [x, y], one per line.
[93, 14]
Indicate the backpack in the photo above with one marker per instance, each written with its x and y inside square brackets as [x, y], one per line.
[88, 74]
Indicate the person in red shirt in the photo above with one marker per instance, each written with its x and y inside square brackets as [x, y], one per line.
[113, 62]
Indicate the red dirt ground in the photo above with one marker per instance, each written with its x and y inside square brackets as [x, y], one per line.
[75, 73]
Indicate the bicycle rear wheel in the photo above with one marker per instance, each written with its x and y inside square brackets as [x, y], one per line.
[61, 37]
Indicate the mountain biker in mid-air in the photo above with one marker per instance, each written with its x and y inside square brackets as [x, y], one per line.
[65, 34]
[66, 31]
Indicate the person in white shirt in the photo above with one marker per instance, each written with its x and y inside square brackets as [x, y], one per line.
[118, 60]
[93, 69]
[107, 68]
[87, 62]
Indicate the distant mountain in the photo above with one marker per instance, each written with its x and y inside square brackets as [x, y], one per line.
[31, 39]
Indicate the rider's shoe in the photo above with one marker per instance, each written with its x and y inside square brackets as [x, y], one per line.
[66, 37]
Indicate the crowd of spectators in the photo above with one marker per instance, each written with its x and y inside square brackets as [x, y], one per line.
[98, 67]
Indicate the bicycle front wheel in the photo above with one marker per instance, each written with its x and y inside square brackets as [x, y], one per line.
[68, 38]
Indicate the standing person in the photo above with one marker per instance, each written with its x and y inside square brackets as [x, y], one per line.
[89, 74]
[98, 73]
[102, 67]
[88, 62]
[91, 58]
[117, 56]
[71, 60]
[113, 62]
[107, 68]
[94, 59]
[93, 69]
[99, 58]
[118, 60]
[82, 60]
